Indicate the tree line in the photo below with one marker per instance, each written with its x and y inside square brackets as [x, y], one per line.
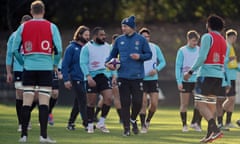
[68, 13]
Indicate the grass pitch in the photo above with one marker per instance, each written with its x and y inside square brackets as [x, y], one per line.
[165, 128]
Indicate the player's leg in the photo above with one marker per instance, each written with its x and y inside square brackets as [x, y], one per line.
[153, 89]
[105, 88]
[107, 101]
[73, 115]
[207, 104]
[44, 84]
[19, 97]
[125, 99]
[153, 107]
[117, 102]
[79, 88]
[142, 113]
[137, 94]
[197, 117]
[219, 107]
[28, 97]
[98, 108]
[184, 101]
[52, 103]
[229, 105]
[54, 97]
[44, 98]
[91, 102]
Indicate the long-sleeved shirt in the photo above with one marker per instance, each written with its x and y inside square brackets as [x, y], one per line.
[159, 61]
[207, 70]
[93, 57]
[10, 59]
[70, 64]
[184, 60]
[126, 45]
[38, 61]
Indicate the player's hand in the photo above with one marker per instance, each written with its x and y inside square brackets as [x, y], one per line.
[186, 76]
[59, 74]
[68, 85]
[110, 66]
[180, 88]
[9, 78]
[135, 56]
[91, 81]
[153, 72]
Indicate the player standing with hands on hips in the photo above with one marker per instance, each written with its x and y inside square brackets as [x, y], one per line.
[133, 50]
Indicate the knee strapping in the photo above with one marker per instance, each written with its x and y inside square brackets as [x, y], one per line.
[205, 99]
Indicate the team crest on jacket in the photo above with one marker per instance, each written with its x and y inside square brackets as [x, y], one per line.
[216, 57]
[136, 45]
[28, 46]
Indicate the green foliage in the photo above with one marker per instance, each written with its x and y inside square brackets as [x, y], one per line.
[95, 12]
[165, 128]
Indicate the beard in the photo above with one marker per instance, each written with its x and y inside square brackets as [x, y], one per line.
[83, 40]
[100, 41]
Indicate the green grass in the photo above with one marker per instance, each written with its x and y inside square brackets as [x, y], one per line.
[165, 128]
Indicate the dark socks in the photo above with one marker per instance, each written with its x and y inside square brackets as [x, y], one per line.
[199, 120]
[142, 118]
[220, 120]
[19, 106]
[184, 118]
[195, 116]
[105, 110]
[52, 103]
[212, 127]
[98, 109]
[43, 119]
[25, 119]
[90, 114]
[150, 115]
[33, 105]
[229, 117]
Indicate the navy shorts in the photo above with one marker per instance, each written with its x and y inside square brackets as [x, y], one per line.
[150, 86]
[188, 87]
[18, 79]
[55, 82]
[102, 83]
[222, 93]
[17, 76]
[37, 78]
[209, 86]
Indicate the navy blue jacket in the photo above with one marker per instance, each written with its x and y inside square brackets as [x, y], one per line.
[70, 65]
[126, 45]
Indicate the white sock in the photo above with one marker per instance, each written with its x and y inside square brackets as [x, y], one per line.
[101, 120]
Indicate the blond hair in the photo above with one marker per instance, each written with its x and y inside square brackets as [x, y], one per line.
[37, 7]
